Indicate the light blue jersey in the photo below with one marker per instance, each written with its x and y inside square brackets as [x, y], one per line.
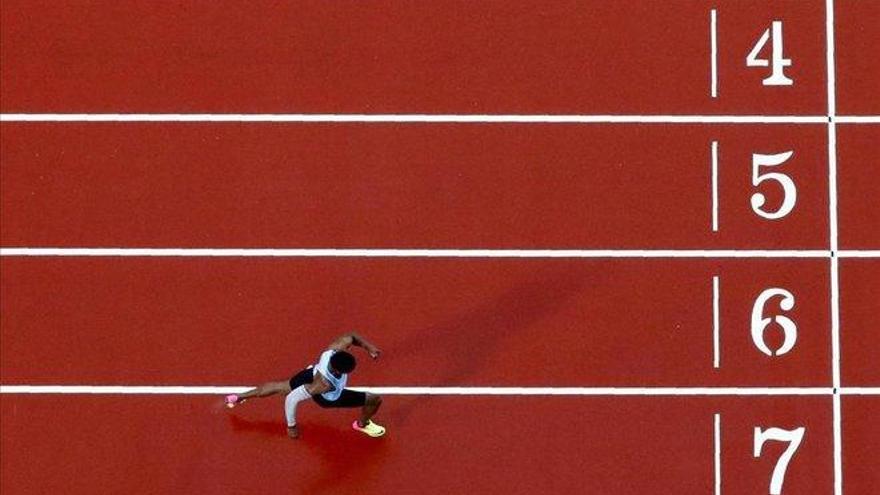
[336, 384]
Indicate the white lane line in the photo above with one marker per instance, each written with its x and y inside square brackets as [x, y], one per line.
[563, 391]
[121, 389]
[415, 253]
[717, 454]
[714, 186]
[846, 253]
[716, 322]
[418, 118]
[857, 119]
[713, 36]
[606, 391]
[835, 262]
[859, 390]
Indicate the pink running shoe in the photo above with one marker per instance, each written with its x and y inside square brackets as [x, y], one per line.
[231, 401]
[371, 429]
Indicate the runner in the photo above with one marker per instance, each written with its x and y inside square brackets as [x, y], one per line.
[324, 383]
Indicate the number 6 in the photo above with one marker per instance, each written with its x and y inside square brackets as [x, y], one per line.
[759, 323]
[788, 188]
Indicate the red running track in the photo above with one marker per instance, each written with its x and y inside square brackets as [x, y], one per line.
[856, 34]
[442, 322]
[449, 56]
[858, 186]
[859, 321]
[531, 57]
[419, 186]
[861, 438]
[436, 445]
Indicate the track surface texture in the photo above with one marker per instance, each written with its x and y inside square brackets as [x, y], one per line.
[619, 248]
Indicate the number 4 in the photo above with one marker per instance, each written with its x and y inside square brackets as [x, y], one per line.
[777, 76]
[793, 437]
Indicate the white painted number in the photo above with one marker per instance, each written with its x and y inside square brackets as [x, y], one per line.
[788, 188]
[759, 323]
[778, 62]
[793, 437]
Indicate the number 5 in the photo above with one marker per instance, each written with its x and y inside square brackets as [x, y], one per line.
[788, 188]
[794, 438]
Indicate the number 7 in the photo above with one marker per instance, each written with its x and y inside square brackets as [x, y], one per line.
[794, 438]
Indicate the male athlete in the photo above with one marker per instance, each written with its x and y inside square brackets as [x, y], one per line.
[325, 384]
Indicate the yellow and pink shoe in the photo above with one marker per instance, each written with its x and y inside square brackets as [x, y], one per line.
[371, 429]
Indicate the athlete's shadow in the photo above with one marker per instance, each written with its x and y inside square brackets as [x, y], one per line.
[346, 456]
[460, 346]
[349, 457]
[265, 428]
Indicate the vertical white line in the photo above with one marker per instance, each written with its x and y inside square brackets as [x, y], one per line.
[716, 321]
[713, 35]
[714, 186]
[717, 454]
[835, 265]
[835, 359]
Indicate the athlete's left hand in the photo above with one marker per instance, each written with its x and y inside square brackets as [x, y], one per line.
[374, 353]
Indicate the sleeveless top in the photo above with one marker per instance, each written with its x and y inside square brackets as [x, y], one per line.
[336, 384]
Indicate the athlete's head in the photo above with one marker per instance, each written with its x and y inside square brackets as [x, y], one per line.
[343, 362]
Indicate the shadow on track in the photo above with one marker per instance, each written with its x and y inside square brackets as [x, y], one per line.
[346, 455]
[264, 428]
[460, 346]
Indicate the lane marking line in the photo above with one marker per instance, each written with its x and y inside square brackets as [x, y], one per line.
[833, 241]
[713, 36]
[716, 322]
[416, 118]
[503, 391]
[717, 454]
[845, 253]
[425, 253]
[859, 391]
[714, 186]
[857, 119]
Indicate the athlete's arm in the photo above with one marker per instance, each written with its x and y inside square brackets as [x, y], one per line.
[353, 339]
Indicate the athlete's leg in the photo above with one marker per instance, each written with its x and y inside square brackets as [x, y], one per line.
[369, 404]
[299, 394]
[370, 407]
[273, 388]
[264, 390]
